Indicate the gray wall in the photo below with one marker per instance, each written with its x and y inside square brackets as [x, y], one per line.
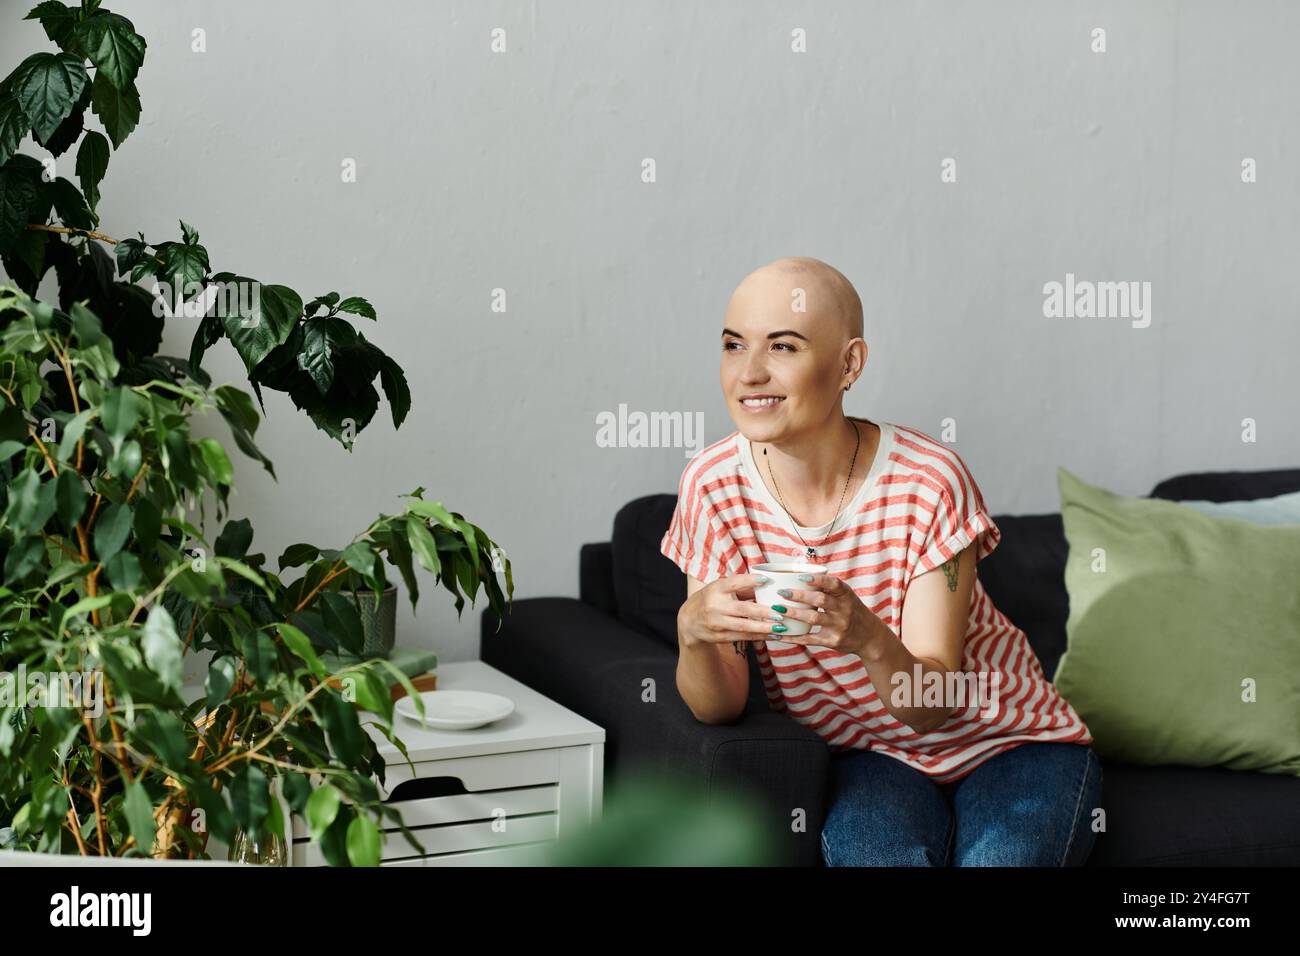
[523, 171]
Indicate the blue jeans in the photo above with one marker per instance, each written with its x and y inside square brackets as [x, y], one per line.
[1031, 805]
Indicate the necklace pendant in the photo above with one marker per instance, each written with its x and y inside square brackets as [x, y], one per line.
[812, 553]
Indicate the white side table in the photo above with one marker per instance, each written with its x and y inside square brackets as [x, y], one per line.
[511, 787]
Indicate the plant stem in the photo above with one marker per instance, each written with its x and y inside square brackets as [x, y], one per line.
[74, 822]
[288, 715]
[334, 572]
[69, 230]
[31, 430]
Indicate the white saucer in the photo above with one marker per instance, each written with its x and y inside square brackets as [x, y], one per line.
[456, 709]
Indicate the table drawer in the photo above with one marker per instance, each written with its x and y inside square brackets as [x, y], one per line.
[463, 807]
[518, 792]
[530, 854]
[453, 838]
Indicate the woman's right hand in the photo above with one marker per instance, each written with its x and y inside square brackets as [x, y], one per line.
[724, 612]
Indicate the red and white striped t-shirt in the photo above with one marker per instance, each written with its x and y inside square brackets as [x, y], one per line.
[917, 508]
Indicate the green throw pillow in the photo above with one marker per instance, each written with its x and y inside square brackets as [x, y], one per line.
[1191, 617]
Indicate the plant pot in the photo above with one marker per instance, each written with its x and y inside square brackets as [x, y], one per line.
[378, 621]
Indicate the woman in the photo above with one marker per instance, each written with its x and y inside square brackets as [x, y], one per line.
[949, 745]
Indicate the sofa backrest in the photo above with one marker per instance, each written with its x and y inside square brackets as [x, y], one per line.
[1024, 575]
[648, 588]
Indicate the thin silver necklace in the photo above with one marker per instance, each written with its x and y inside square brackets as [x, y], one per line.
[809, 550]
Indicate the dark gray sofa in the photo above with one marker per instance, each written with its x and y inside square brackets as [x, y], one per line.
[592, 655]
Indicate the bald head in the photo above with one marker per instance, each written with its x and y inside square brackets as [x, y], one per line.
[827, 294]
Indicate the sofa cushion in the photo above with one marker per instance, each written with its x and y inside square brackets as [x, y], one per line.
[1280, 509]
[1189, 612]
[1228, 485]
[1188, 816]
[1025, 578]
[649, 589]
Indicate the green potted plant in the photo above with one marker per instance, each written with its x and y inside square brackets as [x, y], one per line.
[109, 582]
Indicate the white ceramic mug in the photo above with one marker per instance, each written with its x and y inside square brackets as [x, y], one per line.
[784, 574]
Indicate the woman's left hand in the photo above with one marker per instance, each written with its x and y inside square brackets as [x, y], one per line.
[845, 623]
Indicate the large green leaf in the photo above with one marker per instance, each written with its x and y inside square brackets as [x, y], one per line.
[72, 433]
[422, 543]
[13, 126]
[124, 571]
[69, 204]
[356, 305]
[111, 529]
[235, 537]
[122, 409]
[317, 355]
[300, 644]
[111, 43]
[341, 621]
[178, 459]
[257, 327]
[18, 193]
[87, 325]
[341, 413]
[363, 841]
[23, 558]
[31, 503]
[393, 380]
[162, 647]
[183, 266]
[118, 110]
[70, 129]
[47, 85]
[71, 497]
[59, 21]
[250, 797]
[139, 815]
[221, 677]
[260, 654]
[342, 727]
[240, 414]
[360, 558]
[126, 461]
[30, 251]
[322, 808]
[92, 164]
[131, 255]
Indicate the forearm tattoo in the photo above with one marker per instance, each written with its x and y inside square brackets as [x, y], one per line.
[950, 572]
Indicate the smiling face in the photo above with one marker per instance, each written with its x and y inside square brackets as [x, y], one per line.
[791, 330]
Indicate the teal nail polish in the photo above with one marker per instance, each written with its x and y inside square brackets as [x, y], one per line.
[785, 592]
[805, 577]
[779, 628]
[762, 580]
[778, 607]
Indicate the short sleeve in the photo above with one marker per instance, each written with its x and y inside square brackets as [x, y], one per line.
[960, 519]
[697, 540]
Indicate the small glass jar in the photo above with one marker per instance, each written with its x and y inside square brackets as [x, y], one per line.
[265, 849]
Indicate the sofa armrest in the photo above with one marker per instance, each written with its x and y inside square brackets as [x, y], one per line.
[781, 765]
[596, 577]
[626, 682]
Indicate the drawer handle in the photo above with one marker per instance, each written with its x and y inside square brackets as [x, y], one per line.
[423, 787]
